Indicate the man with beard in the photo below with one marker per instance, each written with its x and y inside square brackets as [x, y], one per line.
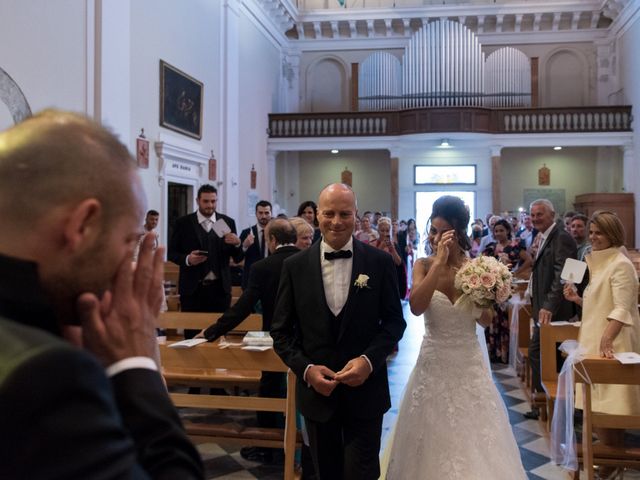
[204, 283]
[254, 242]
[101, 410]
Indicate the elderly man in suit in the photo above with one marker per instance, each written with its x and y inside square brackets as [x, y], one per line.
[204, 283]
[547, 301]
[254, 243]
[100, 410]
[338, 315]
[262, 286]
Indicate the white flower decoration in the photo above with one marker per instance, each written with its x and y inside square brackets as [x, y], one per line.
[362, 281]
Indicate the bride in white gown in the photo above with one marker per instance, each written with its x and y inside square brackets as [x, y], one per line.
[452, 423]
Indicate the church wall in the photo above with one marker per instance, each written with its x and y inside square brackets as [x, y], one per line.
[42, 47]
[259, 80]
[371, 172]
[519, 171]
[187, 39]
[479, 156]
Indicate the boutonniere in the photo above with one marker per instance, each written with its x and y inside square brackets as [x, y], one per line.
[362, 281]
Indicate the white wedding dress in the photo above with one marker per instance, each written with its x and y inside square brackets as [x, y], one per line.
[452, 422]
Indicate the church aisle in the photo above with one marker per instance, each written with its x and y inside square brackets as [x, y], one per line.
[225, 463]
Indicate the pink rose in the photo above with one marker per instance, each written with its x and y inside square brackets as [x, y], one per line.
[474, 281]
[503, 294]
[487, 280]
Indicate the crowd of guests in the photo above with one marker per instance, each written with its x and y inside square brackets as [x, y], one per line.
[78, 320]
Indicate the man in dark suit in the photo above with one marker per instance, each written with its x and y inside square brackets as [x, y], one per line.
[338, 315]
[204, 283]
[254, 244]
[263, 286]
[97, 408]
[547, 301]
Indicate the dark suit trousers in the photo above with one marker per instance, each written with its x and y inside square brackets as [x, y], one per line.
[345, 448]
[534, 359]
[207, 298]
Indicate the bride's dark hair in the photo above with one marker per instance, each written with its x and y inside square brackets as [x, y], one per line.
[455, 213]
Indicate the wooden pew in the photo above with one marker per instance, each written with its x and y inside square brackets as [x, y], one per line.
[550, 336]
[200, 320]
[604, 371]
[209, 357]
[171, 273]
[236, 291]
[523, 367]
[219, 377]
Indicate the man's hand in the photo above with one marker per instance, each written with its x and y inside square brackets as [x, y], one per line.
[195, 258]
[123, 323]
[200, 334]
[321, 378]
[544, 316]
[354, 373]
[248, 241]
[232, 239]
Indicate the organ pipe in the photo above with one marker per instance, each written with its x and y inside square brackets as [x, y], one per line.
[443, 64]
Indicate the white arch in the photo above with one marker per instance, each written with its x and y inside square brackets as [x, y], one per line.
[13, 98]
[309, 79]
[547, 83]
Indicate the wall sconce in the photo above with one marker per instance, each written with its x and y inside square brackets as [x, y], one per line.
[444, 143]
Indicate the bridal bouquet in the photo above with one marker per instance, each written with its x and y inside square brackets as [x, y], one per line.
[483, 281]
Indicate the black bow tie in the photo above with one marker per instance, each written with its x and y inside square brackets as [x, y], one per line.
[337, 254]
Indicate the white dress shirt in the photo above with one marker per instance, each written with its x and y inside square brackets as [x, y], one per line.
[207, 224]
[336, 276]
[544, 237]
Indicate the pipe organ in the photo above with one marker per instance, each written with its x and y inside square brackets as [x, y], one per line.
[507, 79]
[443, 65]
[379, 78]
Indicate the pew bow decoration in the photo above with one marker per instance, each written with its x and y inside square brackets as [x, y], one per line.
[563, 437]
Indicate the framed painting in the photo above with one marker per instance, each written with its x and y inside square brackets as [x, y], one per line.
[180, 101]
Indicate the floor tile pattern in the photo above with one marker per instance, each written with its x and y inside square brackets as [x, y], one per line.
[224, 462]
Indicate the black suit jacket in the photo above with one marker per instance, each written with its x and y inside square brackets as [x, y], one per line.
[61, 417]
[252, 254]
[546, 289]
[185, 239]
[372, 324]
[263, 285]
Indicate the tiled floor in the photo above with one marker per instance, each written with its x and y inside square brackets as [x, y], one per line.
[224, 462]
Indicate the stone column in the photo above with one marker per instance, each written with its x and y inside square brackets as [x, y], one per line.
[630, 185]
[495, 178]
[273, 180]
[394, 186]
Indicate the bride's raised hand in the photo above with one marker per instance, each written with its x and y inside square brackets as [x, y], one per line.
[443, 247]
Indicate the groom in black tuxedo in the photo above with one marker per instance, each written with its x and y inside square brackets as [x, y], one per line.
[338, 315]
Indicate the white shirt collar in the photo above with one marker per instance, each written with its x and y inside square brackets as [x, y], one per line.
[202, 218]
[285, 245]
[325, 247]
[548, 231]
